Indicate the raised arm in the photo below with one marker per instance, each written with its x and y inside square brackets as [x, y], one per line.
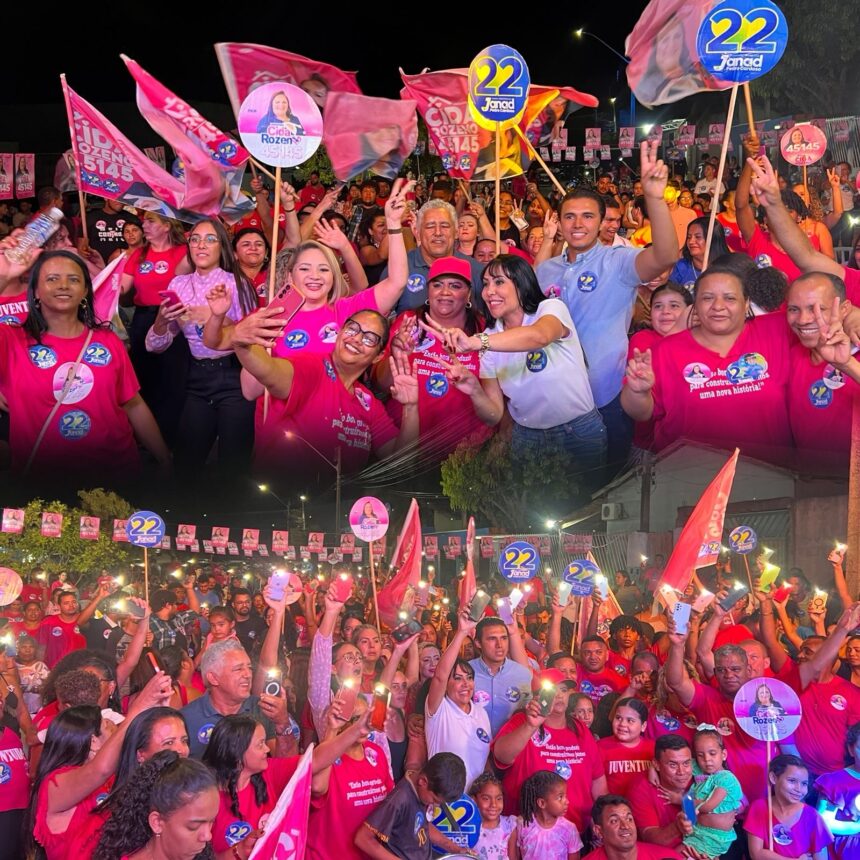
[826, 655]
[135, 648]
[388, 291]
[743, 210]
[270, 649]
[333, 237]
[636, 397]
[663, 253]
[676, 672]
[465, 627]
[400, 648]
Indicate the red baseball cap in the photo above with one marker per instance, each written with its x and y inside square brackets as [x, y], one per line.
[451, 266]
[553, 676]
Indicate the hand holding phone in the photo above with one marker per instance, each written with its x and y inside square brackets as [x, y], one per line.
[503, 607]
[379, 708]
[171, 297]
[478, 605]
[731, 599]
[563, 593]
[347, 694]
[681, 614]
[546, 697]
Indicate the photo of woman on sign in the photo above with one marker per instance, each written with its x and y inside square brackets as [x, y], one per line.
[280, 114]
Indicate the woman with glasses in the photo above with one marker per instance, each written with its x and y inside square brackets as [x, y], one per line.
[214, 407]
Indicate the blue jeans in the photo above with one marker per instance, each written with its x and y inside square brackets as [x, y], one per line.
[583, 440]
[619, 427]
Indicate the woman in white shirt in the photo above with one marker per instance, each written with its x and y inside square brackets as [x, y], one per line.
[533, 357]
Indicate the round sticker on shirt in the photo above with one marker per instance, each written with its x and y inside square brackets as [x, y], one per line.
[56, 632]
[107, 633]
[296, 339]
[236, 832]
[763, 261]
[513, 694]
[205, 733]
[161, 267]
[697, 373]
[437, 385]
[42, 356]
[553, 291]
[840, 703]
[427, 340]
[587, 282]
[145, 267]
[74, 425]
[670, 723]
[101, 797]
[833, 377]
[80, 387]
[363, 398]
[536, 361]
[328, 333]
[416, 283]
[481, 697]
[563, 769]
[820, 396]
[483, 736]
[98, 355]
[755, 363]
[781, 834]
[5, 773]
[329, 369]
[541, 741]
[370, 755]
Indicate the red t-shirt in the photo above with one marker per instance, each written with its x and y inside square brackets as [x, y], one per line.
[619, 664]
[322, 410]
[355, 789]
[707, 398]
[311, 194]
[13, 309]
[153, 274]
[228, 829]
[59, 638]
[732, 233]
[808, 835]
[597, 684]
[852, 284]
[573, 756]
[650, 809]
[643, 431]
[623, 763]
[663, 722]
[14, 774]
[819, 408]
[644, 851]
[90, 432]
[765, 253]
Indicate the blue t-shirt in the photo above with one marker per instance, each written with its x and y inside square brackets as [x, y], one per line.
[503, 693]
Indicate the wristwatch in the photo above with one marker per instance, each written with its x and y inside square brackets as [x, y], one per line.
[485, 343]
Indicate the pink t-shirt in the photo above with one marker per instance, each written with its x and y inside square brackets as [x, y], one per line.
[14, 774]
[819, 407]
[548, 843]
[643, 431]
[852, 284]
[355, 789]
[90, 432]
[323, 411]
[806, 836]
[154, 274]
[13, 309]
[623, 763]
[707, 398]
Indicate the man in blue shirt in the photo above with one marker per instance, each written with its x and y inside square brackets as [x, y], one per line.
[598, 283]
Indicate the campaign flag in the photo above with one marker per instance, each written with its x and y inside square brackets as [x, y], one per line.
[819, 122]
[840, 130]
[486, 547]
[664, 62]
[286, 830]
[316, 541]
[716, 130]
[13, 521]
[194, 546]
[25, 175]
[363, 133]
[347, 542]
[232, 548]
[250, 539]
[454, 544]
[221, 550]
[280, 542]
[431, 546]
[211, 158]
[290, 554]
[186, 534]
[605, 153]
[323, 554]
[207, 546]
[107, 287]
[592, 138]
[157, 154]
[379, 547]
[335, 556]
[570, 153]
[556, 154]
[468, 583]
[89, 528]
[165, 542]
[52, 524]
[263, 550]
[686, 135]
[358, 553]
[305, 553]
[119, 533]
[220, 536]
[7, 168]
[699, 542]
[544, 545]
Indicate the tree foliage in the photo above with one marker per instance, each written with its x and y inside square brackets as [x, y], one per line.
[69, 552]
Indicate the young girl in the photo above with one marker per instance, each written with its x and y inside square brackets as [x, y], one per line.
[798, 830]
[839, 800]
[580, 707]
[545, 833]
[714, 790]
[496, 829]
[627, 752]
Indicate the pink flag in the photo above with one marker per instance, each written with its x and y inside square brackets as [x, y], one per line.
[246, 66]
[89, 528]
[107, 286]
[7, 168]
[406, 564]
[52, 524]
[664, 63]
[13, 521]
[286, 829]
[211, 158]
[363, 133]
[468, 585]
[120, 535]
[250, 539]
[699, 542]
[25, 175]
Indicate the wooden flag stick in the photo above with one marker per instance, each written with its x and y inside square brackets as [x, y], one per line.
[731, 112]
[539, 160]
[254, 163]
[498, 189]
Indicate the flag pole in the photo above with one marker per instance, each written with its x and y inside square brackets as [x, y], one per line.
[373, 585]
[726, 135]
[498, 189]
[539, 160]
[75, 157]
[273, 268]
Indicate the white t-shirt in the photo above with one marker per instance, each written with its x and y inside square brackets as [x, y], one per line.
[709, 186]
[546, 387]
[466, 735]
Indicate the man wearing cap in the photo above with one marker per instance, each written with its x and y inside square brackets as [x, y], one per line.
[533, 740]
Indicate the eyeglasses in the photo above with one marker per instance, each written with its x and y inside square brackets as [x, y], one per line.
[350, 658]
[209, 239]
[368, 338]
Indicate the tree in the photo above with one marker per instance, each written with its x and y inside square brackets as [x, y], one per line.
[485, 480]
[69, 551]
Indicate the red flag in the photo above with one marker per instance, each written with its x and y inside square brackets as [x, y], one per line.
[406, 564]
[245, 67]
[468, 585]
[664, 63]
[363, 133]
[699, 542]
[107, 285]
[286, 830]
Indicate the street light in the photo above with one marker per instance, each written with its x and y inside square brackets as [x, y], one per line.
[265, 488]
[304, 523]
[337, 471]
[583, 32]
[614, 120]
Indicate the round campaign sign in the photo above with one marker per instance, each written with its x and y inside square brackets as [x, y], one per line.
[465, 829]
[743, 540]
[10, 586]
[803, 144]
[739, 40]
[294, 588]
[519, 561]
[144, 528]
[368, 519]
[280, 124]
[580, 574]
[498, 86]
[767, 709]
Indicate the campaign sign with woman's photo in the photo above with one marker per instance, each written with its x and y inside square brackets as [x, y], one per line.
[767, 709]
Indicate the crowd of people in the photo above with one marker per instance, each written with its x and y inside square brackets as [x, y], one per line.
[601, 327]
[169, 728]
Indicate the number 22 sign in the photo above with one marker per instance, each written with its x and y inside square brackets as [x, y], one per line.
[144, 528]
[498, 86]
[518, 561]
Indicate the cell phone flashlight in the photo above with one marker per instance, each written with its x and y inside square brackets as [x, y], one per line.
[546, 697]
[478, 605]
[563, 592]
[739, 591]
[347, 695]
[379, 708]
[273, 685]
[503, 607]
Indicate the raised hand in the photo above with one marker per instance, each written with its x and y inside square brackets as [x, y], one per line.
[640, 373]
[764, 182]
[257, 185]
[404, 342]
[395, 206]
[834, 180]
[167, 312]
[261, 328]
[220, 299]
[404, 381]
[654, 173]
[289, 196]
[329, 234]
[550, 225]
[454, 340]
[458, 375]
[833, 345]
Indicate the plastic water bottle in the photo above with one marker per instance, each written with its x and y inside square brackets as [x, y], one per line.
[36, 233]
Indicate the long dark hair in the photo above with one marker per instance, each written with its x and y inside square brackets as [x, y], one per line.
[225, 754]
[137, 737]
[163, 784]
[35, 324]
[523, 277]
[229, 263]
[67, 744]
[718, 240]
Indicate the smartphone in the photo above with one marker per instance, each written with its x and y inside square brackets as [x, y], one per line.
[478, 605]
[406, 629]
[153, 661]
[342, 585]
[171, 295]
[681, 614]
[781, 593]
[134, 610]
[272, 688]
[347, 694]
[379, 708]
[521, 223]
[602, 585]
[290, 300]
[733, 596]
[503, 608]
[515, 598]
[563, 592]
[278, 583]
[768, 578]
[703, 601]
[670, 598]
[545, 697]
[689, 807]
[818, 601]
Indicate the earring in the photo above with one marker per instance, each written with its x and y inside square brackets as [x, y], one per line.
[37, 303]
[84, 305]
[468, 305]
[427, 303]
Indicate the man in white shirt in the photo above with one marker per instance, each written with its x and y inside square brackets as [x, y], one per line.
[708, 185]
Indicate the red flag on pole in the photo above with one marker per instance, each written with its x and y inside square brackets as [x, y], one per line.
[468, 585]
[699, 542]
[406, 564]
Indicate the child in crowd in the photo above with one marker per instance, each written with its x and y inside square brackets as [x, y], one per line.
[627, 752]
[839, 800]
[545, 833]
[580, 706]
[496, 828]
